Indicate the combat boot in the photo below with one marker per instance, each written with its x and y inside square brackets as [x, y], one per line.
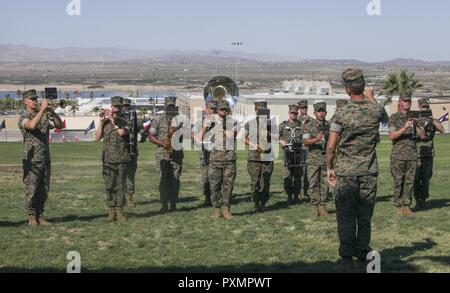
[399, 211]
[120, 215]
[322, 211]
[32, 220]
[227, 213]
[130, 202]
[164, 208]
[217, 213]
[111, 214]
[345, 265]
[419, 204]
[42, 220]
[407, 212]
[315, 211]
[173, 206]
[289, 199]
[296, 199]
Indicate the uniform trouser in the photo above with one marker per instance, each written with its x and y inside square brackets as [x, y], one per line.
[205, 184]
[355, 202]
[292, 179]
[424, 173]
[305, 181]
[318, 184]
[260, 174]
[169, 184]
[404, 173]
[36, 177]
[114, 176]
[221, 177]
[131, 174]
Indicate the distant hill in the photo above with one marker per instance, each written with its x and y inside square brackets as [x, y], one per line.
[23, 53]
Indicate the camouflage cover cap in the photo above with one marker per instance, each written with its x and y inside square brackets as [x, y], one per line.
[211, 104]
[405, 98]
[302, 103]
[223, 105]
[352, 74]
[170, 101]
[320, 105]
[260, 105]
[340, 103]
[424, 102]
[117, 101]
[126, 102]
[29, 94]
[293, 108]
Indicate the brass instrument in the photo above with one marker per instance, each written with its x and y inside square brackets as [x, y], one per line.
[221, 88]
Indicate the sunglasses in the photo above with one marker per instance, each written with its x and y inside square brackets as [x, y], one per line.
[294, 113]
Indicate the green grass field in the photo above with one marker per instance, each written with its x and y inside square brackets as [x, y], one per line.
[282, 239]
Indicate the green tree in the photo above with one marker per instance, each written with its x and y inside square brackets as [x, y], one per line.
[400, 83]
[95, 110]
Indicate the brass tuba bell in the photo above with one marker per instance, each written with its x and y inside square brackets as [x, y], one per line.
[221, 88]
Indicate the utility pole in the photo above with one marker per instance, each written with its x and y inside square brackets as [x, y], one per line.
[237, 44]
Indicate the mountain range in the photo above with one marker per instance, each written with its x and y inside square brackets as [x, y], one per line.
[24, 53]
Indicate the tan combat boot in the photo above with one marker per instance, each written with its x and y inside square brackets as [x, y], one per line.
[322, 211]
[130, 202]
[315, 211]
[407, 212]
[217, 213]
[42, 220]
[111, 214]
[120, 215]
[32, 220]
[399, 211]
[227, 213]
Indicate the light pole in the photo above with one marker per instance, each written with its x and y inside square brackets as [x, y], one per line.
[185, 82]
[217, 52]
[237, 44]
[154, 97]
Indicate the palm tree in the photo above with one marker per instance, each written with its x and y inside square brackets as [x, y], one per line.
[95, 110]
[400, 83]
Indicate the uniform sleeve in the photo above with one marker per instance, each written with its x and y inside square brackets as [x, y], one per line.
[154, 127]
[336, 122]
[22, 121]
[305, 131]
[391, 124]
[280, 130]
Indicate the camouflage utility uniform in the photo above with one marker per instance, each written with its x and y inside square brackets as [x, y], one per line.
[425, 154]
[115, 158]
[356, 169]
[316, 164]
[259, 165]
[403, 161]
[222, 163]
[170, 165]
[36, 163]
[292, 175]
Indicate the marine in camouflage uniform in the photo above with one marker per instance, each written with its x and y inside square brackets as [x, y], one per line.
[260, 157]
[304, 118]
[403, 156]
[115, 157]
[170, 163]
[222, 161]
[35, 126]
[132, 164]
[290, 132]
[353, 167]
[425, 153]
[315, 139]
[211, 108]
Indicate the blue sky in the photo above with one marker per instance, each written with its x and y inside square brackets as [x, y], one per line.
[310, 29]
